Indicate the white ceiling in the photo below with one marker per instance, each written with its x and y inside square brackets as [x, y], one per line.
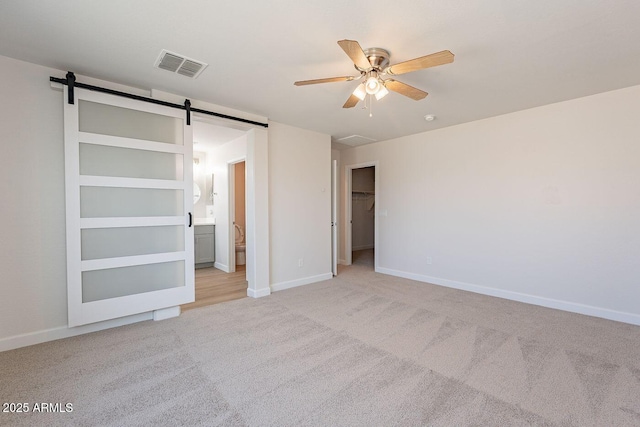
[510, 54]
[207, 136]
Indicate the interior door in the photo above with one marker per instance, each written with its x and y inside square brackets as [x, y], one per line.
[129, 197]
[334, 217]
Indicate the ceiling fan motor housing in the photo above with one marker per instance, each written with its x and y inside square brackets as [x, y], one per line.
[373, 63]
[378, 58]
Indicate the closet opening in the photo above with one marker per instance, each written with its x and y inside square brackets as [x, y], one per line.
[361, 200]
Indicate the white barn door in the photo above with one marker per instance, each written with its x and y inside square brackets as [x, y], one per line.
[129, 198]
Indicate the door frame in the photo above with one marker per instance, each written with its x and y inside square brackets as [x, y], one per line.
[231, 177]
[348, 174]
[257, 204]
[335, 235]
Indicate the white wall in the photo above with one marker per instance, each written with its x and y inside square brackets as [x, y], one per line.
[257, 213]
[363, 179]
[33, 294]
[299, 206]
[218, 164]
[33, 289]
[540, 205]
[336, 155]
[201, 177]
[33, 301]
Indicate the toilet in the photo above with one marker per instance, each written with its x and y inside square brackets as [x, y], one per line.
[241, 246]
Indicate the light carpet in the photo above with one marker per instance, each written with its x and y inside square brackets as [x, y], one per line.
[363, 349]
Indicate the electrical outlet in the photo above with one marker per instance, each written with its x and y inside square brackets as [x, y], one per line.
[300, 262]
[429, 260]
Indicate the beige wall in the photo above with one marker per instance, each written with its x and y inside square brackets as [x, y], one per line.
[200, 177]
[299, 206]
[540, 205]
[33, 293]
[363, 179]
[33, 290]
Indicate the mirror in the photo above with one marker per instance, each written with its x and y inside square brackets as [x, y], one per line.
[196, 193]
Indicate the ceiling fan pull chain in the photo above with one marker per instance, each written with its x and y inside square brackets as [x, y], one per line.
[370, 106]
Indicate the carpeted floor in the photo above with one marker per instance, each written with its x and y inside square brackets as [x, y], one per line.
[363, 257]
[363, 349]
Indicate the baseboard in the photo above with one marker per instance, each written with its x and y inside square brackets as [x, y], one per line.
[52, 334]
[300, 282]
[166, 313]
[342, 262]
[258, 293]
[204, 265]
[362, 248]
[573, 307]
[223, 267]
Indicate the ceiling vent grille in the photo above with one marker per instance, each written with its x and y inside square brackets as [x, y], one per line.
[180, 64]
[355, 140]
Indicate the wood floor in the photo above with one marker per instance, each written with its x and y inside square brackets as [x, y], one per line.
[214, 286]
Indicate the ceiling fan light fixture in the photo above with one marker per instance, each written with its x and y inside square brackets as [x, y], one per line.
[360, 92]
[381, 93]
[373, 63]
[372, 85]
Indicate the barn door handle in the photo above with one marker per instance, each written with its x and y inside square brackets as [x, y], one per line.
[190, 220]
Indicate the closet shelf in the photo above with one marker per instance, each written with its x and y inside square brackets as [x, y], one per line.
[363, 192]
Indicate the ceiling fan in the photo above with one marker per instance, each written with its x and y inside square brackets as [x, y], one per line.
[373, 65]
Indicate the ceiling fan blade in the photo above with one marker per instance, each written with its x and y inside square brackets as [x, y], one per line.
[405, 89]
[351, 102]
[328, 80]
[439, 58]
[354, 51]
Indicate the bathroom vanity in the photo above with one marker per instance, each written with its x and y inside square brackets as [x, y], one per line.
[204, 241]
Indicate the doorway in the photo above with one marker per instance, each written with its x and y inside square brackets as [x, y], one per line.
[230, 201]
[218, 283]
[224, 278]
[362, 228]
[237, 215]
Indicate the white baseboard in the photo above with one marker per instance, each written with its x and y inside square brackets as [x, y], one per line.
[342, 262]
[573, 307]
[166, 313]
[258, 293]
[362, 247]
[300, 282]
[223, 267]
[52, 334]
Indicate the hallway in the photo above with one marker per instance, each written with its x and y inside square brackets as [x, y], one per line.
[363, 257]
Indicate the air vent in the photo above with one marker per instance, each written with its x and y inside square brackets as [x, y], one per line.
[355, 140]
[180, 64]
